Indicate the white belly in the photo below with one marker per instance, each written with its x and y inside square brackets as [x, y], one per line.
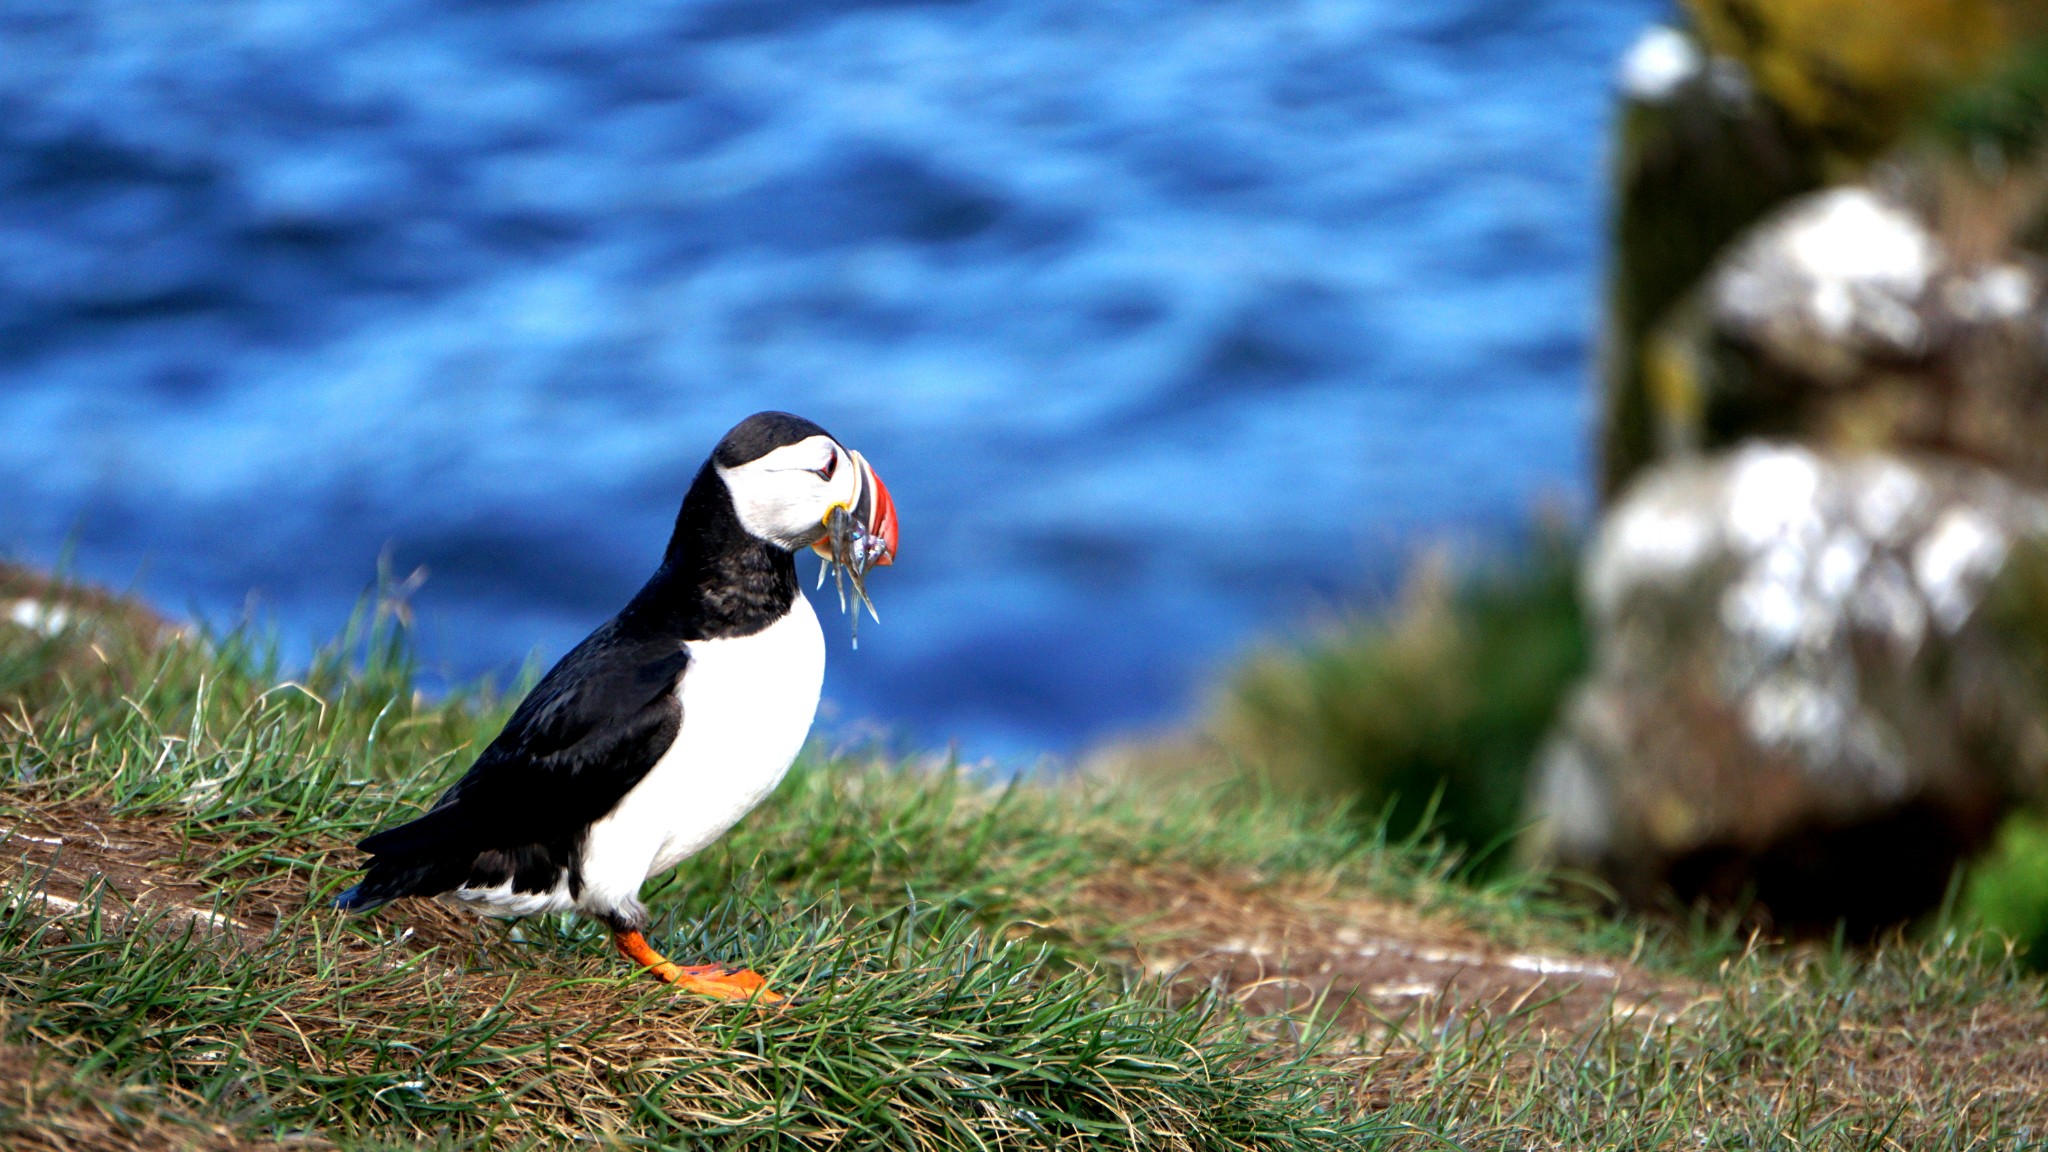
[747, 707]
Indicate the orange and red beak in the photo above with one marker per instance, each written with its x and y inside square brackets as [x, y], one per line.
[875, 510]
[881, 510]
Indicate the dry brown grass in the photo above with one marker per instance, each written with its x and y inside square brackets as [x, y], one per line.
[1364, 962]
[46, 1106]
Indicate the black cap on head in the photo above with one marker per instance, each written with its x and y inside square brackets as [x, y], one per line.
[762, 433]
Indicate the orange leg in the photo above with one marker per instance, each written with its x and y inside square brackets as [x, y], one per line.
[703, 979]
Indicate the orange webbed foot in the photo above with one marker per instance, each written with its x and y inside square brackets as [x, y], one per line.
[744, 984]
[702, 979]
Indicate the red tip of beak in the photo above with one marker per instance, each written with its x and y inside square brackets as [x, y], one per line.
[882, 518]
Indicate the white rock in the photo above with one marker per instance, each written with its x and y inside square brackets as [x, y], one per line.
[1785, 638]
[1661, 61]
[1848, 266]
[1997, 293]
[1771, 496]
[1851, 236]
[1954, 563]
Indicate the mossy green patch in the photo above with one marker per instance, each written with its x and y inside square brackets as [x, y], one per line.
[1431, 713]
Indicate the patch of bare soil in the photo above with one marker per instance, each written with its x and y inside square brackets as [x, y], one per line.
[1283, 951]
[75, 860]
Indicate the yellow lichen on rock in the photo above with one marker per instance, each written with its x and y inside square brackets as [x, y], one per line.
[1857, 71]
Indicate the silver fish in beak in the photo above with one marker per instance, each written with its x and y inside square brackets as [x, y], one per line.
[858, 539]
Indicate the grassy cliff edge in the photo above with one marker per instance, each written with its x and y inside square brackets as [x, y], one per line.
[1080, 964]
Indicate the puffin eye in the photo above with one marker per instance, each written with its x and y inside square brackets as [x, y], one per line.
[831, 466]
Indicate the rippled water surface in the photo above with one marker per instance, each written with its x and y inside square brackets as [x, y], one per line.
[1164, 320]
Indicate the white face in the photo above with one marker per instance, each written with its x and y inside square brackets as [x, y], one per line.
[784, 496]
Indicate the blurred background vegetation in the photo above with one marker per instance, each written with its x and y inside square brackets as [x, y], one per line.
[1435, 707]
[1429, 712]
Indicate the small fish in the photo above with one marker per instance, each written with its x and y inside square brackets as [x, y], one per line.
[854, 551]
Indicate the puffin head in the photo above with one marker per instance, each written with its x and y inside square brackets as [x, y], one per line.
[786, 475]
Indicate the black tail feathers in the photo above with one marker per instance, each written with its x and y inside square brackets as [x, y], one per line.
[357, 899]
[422, 857]
[445, 828]
[390, 878]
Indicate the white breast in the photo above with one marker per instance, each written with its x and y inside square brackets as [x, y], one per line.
[747, 703]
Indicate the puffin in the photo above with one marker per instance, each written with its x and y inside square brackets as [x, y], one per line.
[667, 724]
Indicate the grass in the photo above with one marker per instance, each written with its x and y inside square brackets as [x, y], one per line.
[876, 896]
[1916, 1047]
[1429, 714]
[2008, 887]
[975, 966]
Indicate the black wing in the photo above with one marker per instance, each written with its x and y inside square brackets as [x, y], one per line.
[588, 732]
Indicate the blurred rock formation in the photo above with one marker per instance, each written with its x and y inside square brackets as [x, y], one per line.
[1824, 457]
[1795, 692]
[1699, 158]
[1855, 319]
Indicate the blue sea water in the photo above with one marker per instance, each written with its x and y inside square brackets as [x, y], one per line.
[1166, 321]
